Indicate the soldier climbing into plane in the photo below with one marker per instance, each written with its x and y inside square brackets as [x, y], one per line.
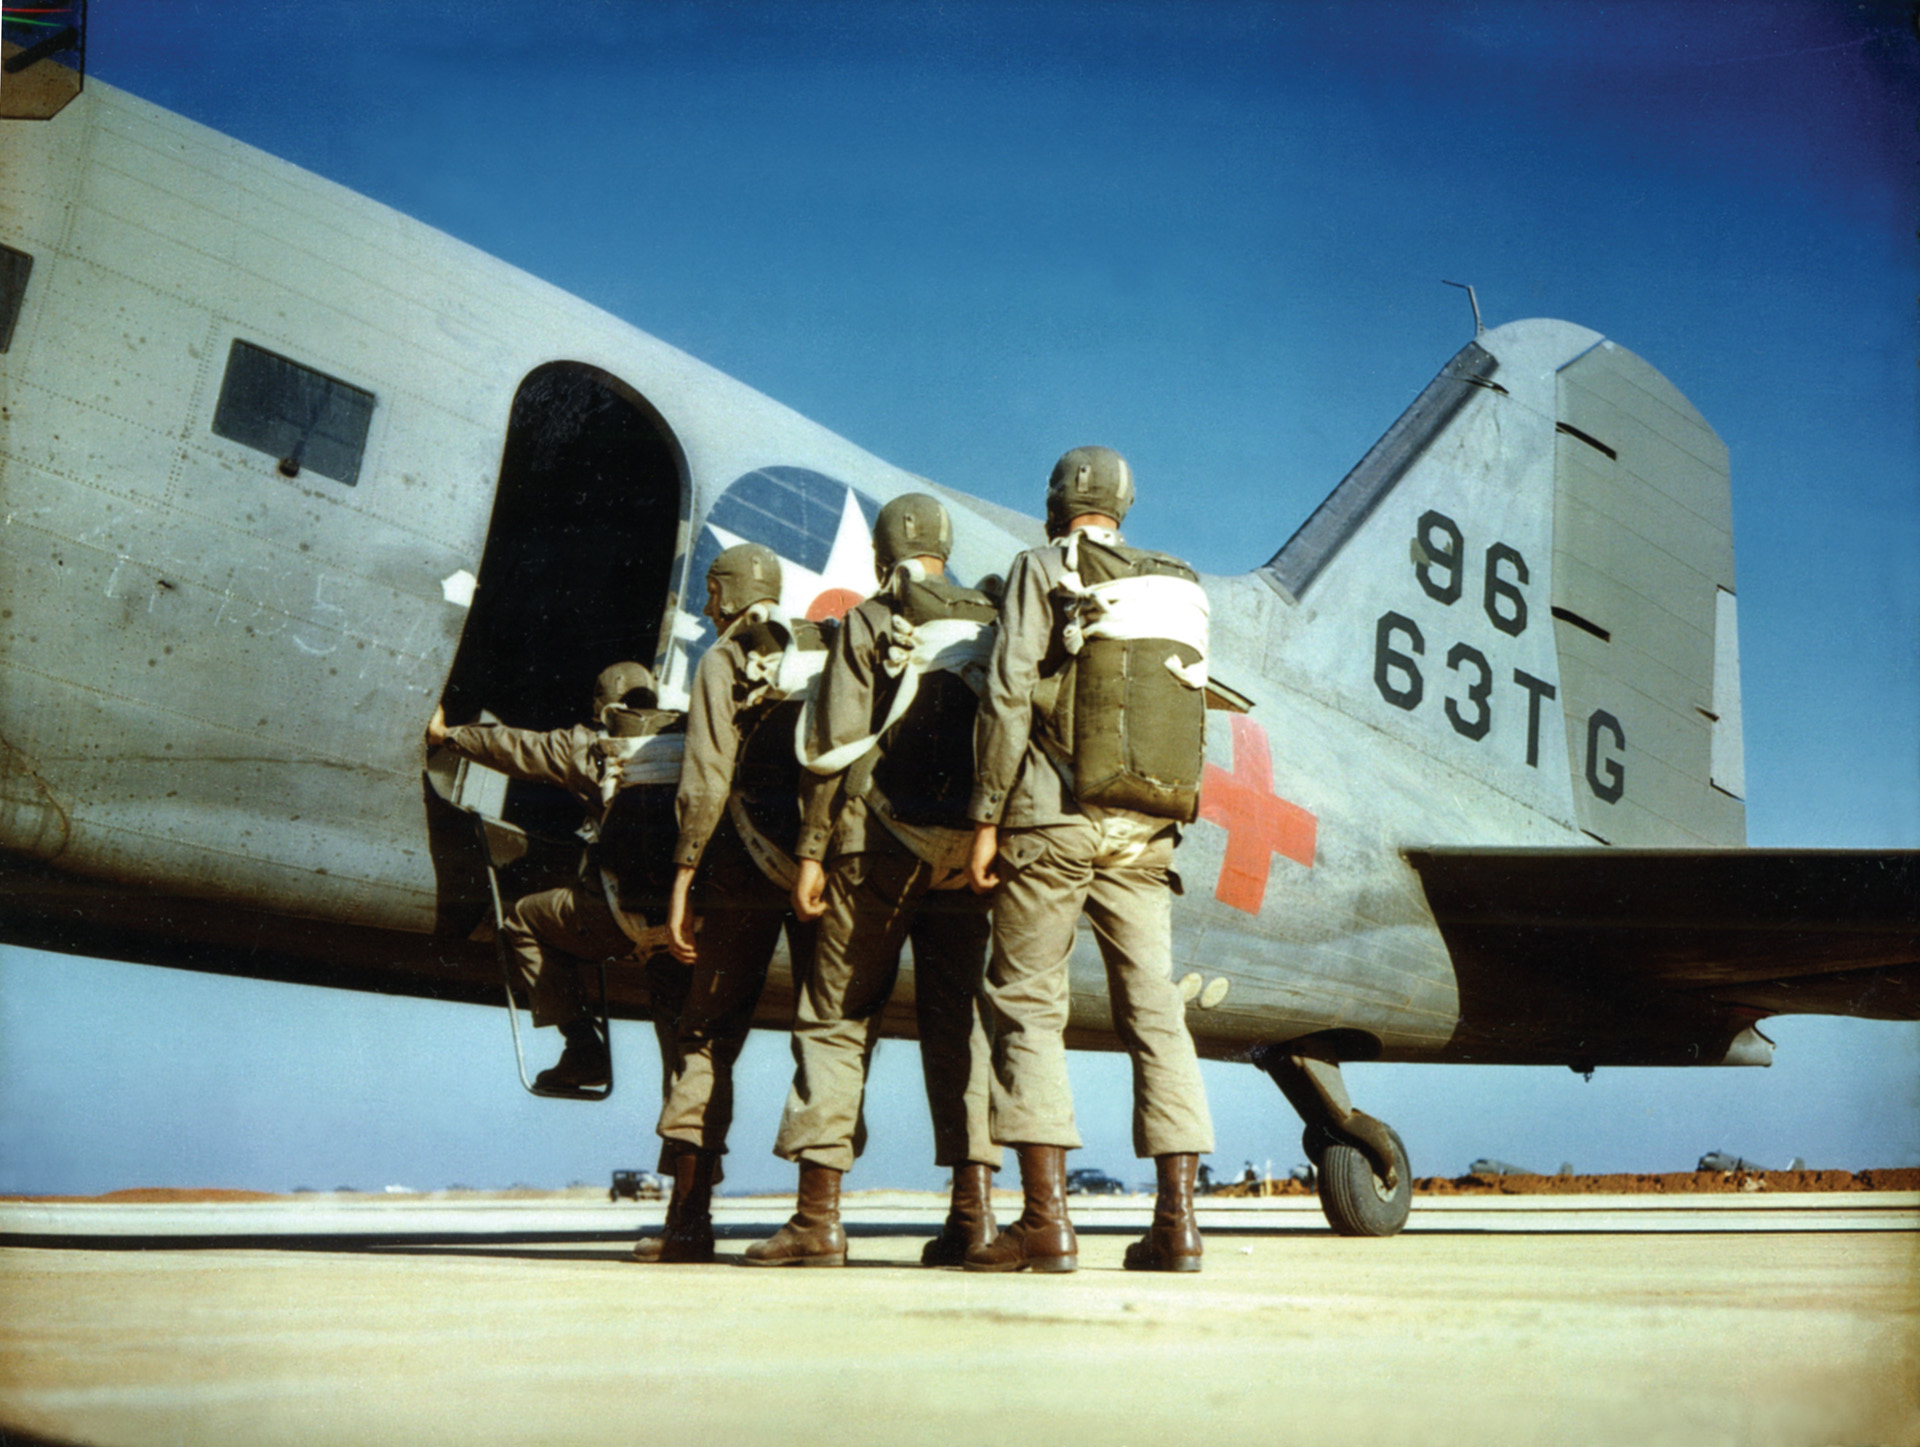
[887, 741]
[553, 936]
[1089, 750]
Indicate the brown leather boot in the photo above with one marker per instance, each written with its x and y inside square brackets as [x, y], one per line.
[969, 1218]
[1172, 1242]
[1042, 1239]
[812, 1235]
[688, 1235]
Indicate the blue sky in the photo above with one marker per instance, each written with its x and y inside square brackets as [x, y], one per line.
[969, 236]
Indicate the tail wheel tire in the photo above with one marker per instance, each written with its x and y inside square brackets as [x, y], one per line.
[1355, 1200]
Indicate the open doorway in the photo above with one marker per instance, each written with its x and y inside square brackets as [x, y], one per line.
[578, 566]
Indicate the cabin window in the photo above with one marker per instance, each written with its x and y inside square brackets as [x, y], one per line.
[305, 418]
[15, 268]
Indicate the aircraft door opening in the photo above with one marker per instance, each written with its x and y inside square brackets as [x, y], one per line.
[577, 574]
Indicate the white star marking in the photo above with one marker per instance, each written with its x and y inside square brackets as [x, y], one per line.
[848, 571]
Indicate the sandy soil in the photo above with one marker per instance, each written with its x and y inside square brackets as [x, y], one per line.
[1669, 1183]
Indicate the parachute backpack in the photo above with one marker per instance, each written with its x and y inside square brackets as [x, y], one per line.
[1127, 714]
[939, 642]
[639, 768]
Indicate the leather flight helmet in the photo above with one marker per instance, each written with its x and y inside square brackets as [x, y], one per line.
[912, 525]
[1088, 479]
[625, 683]
[745, 574]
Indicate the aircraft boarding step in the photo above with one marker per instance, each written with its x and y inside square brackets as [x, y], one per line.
[502, 843]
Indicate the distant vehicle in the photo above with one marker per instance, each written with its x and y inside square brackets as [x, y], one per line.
[1091, 1181]
[1487, 1166]
[635, 1186]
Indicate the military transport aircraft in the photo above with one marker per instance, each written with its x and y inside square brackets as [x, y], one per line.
[280, 469]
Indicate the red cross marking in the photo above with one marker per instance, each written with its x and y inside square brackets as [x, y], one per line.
[1259, 824]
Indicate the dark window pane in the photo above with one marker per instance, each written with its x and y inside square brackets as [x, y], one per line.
[15, 268]
[303, 417]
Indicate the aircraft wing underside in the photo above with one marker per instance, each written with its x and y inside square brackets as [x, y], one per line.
[1776, 931]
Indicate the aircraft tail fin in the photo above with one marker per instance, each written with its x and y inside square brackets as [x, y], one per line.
[1348, 507]
[1547, 528]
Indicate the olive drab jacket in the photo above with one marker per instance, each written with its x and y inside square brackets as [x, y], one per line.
[759, 662]
[588, 763]
[887, 735]
[1096, 691]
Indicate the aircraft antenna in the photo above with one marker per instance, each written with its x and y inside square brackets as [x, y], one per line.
[1479, 327]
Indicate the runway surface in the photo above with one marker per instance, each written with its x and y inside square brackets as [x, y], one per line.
[1508, 1325]
[349, 1220]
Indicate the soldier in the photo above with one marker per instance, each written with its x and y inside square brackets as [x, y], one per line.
[759, 658]
[551, 936]
[888, 744]
[1089, 744]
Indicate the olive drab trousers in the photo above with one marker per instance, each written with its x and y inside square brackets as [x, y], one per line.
[702, 1012]
[1049, 876]
[876, 902]
[552, 936]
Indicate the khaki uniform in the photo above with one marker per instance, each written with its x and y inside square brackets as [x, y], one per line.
[890, 881]
[1058, 860]
[551, 935]
[740, 912]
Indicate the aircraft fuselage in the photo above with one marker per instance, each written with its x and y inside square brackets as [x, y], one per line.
[260, 438]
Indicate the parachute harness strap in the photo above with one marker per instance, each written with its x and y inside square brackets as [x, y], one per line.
[1132, 608]
[654, 759]
[785, 672]
[960, 646]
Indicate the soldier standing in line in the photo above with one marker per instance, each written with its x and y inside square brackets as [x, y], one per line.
[887, 741]
[758, 659]
[553, 935]
[1089, 748]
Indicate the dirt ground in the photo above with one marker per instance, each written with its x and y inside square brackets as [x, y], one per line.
[1668, 1183]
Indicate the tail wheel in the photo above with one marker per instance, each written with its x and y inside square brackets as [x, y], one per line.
[1355, 1200]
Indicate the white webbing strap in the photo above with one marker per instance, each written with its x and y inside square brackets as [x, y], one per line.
[799, 669]
[627, 762]
[1150, 607]
[1125, 609]
[961, 646]
[786, 674]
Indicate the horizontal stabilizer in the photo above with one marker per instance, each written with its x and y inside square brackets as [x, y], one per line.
[1822, 932]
